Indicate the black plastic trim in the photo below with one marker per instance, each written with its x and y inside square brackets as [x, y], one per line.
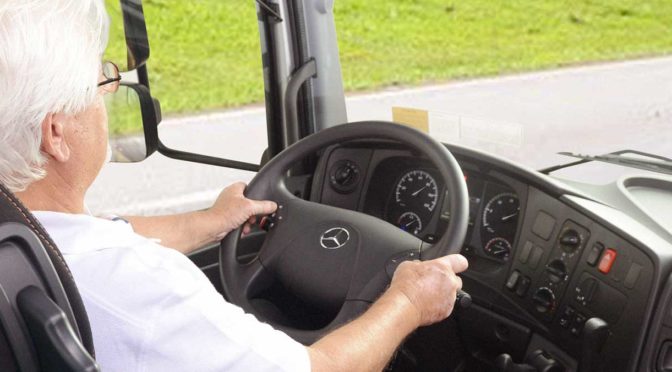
[304, 102]
[20, 237]
[292, 105]
[150, 110]
[272, 91]
[55, 339]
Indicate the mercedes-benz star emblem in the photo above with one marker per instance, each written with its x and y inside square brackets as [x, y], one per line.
[334, 238]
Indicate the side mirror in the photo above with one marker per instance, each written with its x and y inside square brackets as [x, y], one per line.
[135, 29]
[133, 117]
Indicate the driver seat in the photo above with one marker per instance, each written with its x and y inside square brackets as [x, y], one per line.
[43, 323]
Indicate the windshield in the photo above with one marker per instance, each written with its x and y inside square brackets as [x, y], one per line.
[589, 93]
[521, 79]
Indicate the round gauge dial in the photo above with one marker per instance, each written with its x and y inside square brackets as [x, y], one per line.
[417, 190]
[499, 248]
[410, 222]
[500, 216]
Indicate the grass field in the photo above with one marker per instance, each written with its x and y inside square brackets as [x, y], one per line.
[205, 54]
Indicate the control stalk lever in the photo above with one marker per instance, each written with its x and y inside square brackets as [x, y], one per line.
[463, 300]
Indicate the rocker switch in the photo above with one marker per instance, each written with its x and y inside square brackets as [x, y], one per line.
[594, 254]
[513, 280]
[607, 261]
[586, 290]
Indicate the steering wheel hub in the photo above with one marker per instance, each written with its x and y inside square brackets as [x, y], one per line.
[335, 238]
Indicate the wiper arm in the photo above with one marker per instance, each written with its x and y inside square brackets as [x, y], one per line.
[660, 165]
[270, 10]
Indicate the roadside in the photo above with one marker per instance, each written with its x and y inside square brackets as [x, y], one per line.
[599, 107]
[214, 60]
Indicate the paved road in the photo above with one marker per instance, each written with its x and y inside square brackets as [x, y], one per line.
[527, 118]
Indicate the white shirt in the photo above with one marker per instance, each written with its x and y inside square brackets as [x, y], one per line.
[152, 309]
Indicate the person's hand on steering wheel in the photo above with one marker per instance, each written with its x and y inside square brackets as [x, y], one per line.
[232, 210]
[430, 286]
[187, 232]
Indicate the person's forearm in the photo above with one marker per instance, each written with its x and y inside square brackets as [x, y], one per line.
[184, 232]
[368, 342]
[189, 231]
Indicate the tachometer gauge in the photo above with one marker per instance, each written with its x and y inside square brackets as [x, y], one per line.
[499, 248]
[417, 190]
[410, 222]
[500, 216]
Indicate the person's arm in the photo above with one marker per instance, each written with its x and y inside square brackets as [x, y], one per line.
[421, 293]
[187, 232]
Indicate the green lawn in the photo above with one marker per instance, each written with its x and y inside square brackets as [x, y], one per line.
[205, 54]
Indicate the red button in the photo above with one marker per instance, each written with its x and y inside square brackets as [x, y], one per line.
[607, 261]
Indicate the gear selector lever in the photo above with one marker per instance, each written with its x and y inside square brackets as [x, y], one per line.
[595, 333]
[538, 361]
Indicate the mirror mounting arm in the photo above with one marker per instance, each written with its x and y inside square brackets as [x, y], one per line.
[204, 159]
[143, 76]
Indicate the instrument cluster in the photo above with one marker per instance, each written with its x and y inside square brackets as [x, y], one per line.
[418, 203]
[408, 192]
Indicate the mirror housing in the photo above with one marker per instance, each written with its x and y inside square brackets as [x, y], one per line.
[130, 104]
[135, 29]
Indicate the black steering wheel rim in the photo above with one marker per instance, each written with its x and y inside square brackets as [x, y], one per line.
[238, 280]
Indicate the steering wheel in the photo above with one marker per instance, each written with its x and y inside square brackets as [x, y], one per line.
[335, 258]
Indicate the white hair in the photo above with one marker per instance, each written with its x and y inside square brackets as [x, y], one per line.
[50, 53]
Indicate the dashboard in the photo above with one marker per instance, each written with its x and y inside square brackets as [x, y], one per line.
[407, 192]
[546, 257]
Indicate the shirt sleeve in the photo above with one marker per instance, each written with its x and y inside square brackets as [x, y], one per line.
[194, 328]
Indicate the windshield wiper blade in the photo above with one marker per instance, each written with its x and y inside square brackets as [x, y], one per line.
[616, 154]
[660, 165]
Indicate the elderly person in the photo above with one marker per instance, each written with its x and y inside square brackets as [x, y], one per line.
[150, 308]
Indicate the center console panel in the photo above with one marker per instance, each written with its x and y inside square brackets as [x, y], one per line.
[568, 268]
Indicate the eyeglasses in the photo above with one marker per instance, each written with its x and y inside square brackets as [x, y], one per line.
[112, 77]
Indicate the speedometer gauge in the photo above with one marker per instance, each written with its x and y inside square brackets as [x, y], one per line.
[417, 191]
[501, 215]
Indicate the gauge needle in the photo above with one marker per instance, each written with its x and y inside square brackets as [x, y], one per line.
[498, 250]
[506, 218]
[417, 192]
[410, 223]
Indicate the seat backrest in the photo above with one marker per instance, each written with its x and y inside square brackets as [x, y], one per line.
[43, 323]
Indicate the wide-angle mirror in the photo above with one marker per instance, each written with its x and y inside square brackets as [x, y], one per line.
[132, 120]
[128, 45]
